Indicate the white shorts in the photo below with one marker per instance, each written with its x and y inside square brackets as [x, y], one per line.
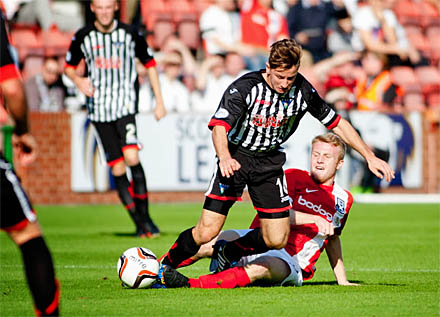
[295, 277]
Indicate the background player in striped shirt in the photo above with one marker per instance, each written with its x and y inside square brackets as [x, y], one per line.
[18, 218]
[319, 213]
[110, 49]
[257, 113]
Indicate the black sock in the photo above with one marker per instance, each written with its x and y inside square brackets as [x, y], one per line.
[40, 276]
[251, 243]
[122, 186]
[140, 191]
[184, 248]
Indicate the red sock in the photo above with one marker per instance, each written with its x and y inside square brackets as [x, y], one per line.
[230, 278]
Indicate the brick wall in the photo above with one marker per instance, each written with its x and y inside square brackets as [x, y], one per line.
[47, 181]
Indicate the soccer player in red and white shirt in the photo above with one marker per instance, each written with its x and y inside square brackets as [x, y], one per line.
[319, 213]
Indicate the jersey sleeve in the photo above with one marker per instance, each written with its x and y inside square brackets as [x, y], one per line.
[231, 107]
[8, 70]
[318, 108]
[74, 55]
[142, 51]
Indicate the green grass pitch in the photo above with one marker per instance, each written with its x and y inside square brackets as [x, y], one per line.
[392, 250]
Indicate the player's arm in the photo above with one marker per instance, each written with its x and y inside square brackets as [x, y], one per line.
[349, 135]
[153, 76]
[302, 218]
[334, 254]
[227, 164]
[83, 83]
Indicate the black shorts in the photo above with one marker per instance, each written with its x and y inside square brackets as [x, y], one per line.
[264, 177]
[15, 209]
[117, 136]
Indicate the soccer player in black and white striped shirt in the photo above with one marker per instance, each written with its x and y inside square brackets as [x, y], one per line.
[259, 112]
[110, 49]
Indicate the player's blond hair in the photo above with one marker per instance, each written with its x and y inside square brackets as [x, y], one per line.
[285, 54]
[332, 139]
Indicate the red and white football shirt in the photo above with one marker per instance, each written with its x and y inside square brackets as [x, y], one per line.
[332, 203]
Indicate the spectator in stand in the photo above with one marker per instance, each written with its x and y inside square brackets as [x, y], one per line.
[51, 15]
[211, 80]
[235, 66]
[377, 29]
[220, 27]
[176, 98]
[308, 21]
[45, 91]
[341, 36]
[374, 89]
[260, 27]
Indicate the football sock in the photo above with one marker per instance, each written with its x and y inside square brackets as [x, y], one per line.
[40, 276]
[184, 248]
[140, 193]
[230, 278]
[251, 243]
[122, 186]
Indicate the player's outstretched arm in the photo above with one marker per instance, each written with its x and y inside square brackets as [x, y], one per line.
[349, 135]
[302, 218]
[334, 254]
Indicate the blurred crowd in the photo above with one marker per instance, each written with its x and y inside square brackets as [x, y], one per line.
[366, 55]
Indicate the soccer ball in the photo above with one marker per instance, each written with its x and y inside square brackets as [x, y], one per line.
[138, 268]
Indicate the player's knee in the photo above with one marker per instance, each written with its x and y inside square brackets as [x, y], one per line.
[205, 234]
[119, 169]
[276, 241]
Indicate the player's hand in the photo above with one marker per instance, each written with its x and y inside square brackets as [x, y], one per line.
[324, 227]
[25, 148]
[85, 86]
[159, 112]
[228, 166]
[347, 283]
[380, 168]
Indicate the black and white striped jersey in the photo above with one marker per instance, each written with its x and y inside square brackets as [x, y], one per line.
[111, 68]
[259, 119]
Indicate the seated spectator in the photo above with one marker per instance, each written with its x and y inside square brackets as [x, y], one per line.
[374, 89]
[377, 29]
[45, 91]
[307, 21]
[211, 81]
[63, 15]
[219, 27]
[260, 27]
[175, 93]
[235, 66]
[341, 36]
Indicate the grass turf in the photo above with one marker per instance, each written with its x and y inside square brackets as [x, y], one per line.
[392, 250]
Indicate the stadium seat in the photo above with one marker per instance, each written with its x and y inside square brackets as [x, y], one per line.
[433, 101]
[407, 12]
[419, 41]
[429, 78]
[27, 43]
[414, 102]
[404, 77]
[430, 15]
[189, 33]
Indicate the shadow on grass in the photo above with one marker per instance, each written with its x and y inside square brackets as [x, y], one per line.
[358, 282]
[133, 234]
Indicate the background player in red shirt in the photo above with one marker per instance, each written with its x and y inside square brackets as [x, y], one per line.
[320, 210]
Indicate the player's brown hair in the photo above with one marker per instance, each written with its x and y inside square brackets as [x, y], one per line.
[332, 139]
[285, 54]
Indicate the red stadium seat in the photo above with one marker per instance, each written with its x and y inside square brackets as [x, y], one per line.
[429, 78]
[27, 43]
[434, 101]
[419, 41]
[414, 102]
[407, 12]
[404, 77]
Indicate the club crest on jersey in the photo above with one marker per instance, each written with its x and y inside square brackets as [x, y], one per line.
[221, 113]
[340, 212]
[223, 187]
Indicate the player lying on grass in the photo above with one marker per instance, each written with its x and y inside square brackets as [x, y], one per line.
[320, 210]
